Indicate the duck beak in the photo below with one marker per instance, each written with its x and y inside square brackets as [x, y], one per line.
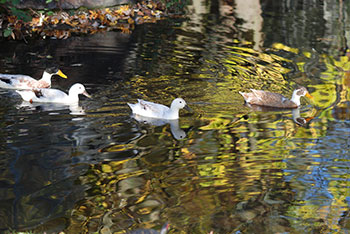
[308, 96]
[86, 94]
[188, 109]
[60, 73]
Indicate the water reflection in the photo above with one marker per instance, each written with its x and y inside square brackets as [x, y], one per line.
[175, 129]
[40, 180]
[74, 108]
[302, 121]
[236, 170]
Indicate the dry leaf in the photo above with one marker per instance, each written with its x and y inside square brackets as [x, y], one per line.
[91, 21]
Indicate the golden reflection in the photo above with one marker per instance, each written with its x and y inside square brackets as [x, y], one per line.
[224, 172]
[280, 46]
[117, 148]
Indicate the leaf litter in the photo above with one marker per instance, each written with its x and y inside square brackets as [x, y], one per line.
[61, 24]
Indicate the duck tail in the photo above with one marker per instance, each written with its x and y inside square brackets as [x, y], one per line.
[26, 95]
[131, 105]
[245, 95]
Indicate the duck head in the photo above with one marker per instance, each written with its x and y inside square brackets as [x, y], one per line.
[180, 103]
[300, 92]
[77, 89]
[54, 71]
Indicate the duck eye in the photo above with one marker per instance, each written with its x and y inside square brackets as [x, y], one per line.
[180, 101]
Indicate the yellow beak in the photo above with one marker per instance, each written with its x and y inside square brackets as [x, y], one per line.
[309, 96]
[60, 73]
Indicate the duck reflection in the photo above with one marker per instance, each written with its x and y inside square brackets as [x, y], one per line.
[74, 108]
[175, 129]
[295, 113]
[298, 119]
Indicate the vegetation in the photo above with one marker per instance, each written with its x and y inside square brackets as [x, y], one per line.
[18, 24]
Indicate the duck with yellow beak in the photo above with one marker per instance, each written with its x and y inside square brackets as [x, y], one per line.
[18, 81]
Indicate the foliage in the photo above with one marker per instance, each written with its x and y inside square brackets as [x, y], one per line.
[10, 6]
[22, 15]
[62, 24]
[12, 12]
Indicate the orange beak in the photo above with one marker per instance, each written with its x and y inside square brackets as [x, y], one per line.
[60, 73]
[308, 96]
[309, 119]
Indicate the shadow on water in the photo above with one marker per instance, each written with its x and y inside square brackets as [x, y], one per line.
[226, 168]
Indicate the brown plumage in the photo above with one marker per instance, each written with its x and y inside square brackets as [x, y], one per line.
[266, 98]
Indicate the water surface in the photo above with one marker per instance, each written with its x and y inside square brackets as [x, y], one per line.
[225, 168]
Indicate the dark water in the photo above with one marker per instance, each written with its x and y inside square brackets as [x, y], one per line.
[225, 168]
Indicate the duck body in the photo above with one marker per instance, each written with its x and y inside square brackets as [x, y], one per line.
[54, 95]
[159, 111]
[18, 81]
[276, 100]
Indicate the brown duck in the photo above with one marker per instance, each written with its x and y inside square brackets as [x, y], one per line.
[265, 98]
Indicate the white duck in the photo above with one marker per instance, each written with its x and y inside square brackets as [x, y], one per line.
[54, 95]
[159, 111]
[18, 81]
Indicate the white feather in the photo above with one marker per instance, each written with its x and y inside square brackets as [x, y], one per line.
[54, 95]
[155, 110]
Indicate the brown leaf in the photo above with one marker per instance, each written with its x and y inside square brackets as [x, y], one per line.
[125, 30]
[54, 21]
[93, 14]
[11, 19]
[34, 22]
[147, 12]
[131, 21]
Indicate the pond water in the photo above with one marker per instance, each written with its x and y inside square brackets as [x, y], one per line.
[225, 168]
